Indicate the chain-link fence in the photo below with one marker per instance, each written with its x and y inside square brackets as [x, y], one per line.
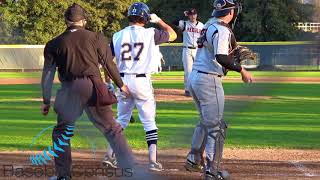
[270, 57]
[303, 56]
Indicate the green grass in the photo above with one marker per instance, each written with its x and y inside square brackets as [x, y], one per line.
[271, 43]
[20, 75]
[289, 120]
[175, 74]
[179, 74]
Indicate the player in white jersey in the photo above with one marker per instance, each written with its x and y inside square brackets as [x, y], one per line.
[191, 30]
[137, 55]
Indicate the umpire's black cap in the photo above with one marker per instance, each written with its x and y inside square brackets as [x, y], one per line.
[75, 13]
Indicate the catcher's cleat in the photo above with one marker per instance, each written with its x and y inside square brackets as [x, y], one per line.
[110, 162]
[220, 175]
[132, 120]
[193, 167]
[155, 166]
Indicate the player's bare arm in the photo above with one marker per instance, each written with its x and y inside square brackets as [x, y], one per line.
[164, 26]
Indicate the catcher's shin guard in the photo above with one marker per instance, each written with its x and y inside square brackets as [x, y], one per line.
[195, 161]
[213, 163]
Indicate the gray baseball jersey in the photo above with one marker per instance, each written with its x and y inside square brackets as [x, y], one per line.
[191, 32]
[217, 41]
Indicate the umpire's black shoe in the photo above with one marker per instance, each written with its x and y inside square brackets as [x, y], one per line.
[132, 120]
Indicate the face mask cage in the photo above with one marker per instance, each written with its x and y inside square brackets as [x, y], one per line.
[237, 12]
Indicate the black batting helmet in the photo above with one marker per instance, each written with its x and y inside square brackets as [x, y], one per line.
[224, 7]
[141, 10]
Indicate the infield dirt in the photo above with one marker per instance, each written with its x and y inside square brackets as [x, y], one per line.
[243, 164]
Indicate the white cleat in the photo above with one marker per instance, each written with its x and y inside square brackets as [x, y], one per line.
[155, 166]
[110, 162]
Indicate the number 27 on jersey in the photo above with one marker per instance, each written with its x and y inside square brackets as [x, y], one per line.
[131, 50]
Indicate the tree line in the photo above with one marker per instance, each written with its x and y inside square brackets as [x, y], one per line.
[37, 21]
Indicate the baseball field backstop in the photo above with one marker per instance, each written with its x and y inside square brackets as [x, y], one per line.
[271, 56]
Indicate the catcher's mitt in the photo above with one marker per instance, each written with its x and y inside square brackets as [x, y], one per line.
[242, 53]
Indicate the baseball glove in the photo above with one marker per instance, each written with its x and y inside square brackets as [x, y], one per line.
[242, 53]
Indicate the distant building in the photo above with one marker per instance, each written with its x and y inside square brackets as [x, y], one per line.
[313, 27]
[309, 27]
[307, 1]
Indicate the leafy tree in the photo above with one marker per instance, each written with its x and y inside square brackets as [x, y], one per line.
[171, 10]
[38, 21]
[261, 20]
[272, 20]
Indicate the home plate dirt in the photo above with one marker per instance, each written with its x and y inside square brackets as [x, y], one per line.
[243, 164]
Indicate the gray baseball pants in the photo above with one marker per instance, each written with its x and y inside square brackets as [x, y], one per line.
[208, 94]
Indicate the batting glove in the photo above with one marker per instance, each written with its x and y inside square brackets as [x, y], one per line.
[154, 18]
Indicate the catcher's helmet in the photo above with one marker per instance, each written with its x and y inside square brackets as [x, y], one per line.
[140, 9]
[224, 7]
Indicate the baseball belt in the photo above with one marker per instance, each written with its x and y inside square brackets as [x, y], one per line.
[137, 75]
[201, 72]
[189, 47]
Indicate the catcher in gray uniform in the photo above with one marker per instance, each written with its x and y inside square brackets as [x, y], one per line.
[218, 52]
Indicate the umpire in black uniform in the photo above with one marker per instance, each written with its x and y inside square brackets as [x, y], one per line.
[77, 53]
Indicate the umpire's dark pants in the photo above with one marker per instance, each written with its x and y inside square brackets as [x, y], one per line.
[71, 100]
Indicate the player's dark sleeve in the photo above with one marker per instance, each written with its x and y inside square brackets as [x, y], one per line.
[48, 73]
[106, 60]
[227, 62]
[176, 21]
[161, 36]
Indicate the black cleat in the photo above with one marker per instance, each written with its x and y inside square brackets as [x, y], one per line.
[220, 175]
[193, 167]
[187, 94]
[132, 120]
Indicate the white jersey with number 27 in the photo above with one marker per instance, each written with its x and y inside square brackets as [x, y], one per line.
[135, 50]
